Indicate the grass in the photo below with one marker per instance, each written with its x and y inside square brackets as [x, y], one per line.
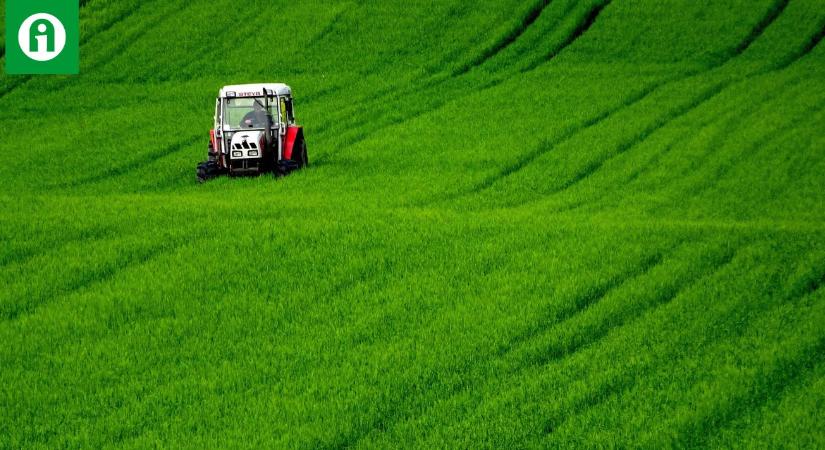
[525, 224]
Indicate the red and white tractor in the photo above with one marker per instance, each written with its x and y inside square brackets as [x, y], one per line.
[254, 133]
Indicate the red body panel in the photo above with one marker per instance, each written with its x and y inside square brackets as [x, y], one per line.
[216, 147]
[289, 143]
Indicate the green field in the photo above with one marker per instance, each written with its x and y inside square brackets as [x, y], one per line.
[525, 224]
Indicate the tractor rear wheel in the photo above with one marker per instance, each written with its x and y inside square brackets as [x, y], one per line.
[300, 156]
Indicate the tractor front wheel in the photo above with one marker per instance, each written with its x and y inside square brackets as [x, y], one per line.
[208, 170]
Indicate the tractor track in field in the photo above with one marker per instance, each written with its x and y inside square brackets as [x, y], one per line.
[144, 160]
[545, 146]
[588, 19]
[622, 382]
[591, 296]
[814, 42]
[321, 93]
[327, 29]
[680, 287]
[642, 135]
[587, 22]
[390, 412]
[25, 256]
[750, 151]
[23, 80]
[773, 13]
[527, 20]
[584, 25]
[127, 41]
[812, 285]
[596, 165]
[125, 14]
[785, 374]
[559, 351]
[720, 138]
[97, 277]
[626, 380]
[435, 81]
[722, 135]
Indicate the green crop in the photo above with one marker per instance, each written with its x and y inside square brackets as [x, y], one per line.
[524, 224]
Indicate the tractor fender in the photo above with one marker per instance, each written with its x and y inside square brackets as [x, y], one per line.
[294, 134]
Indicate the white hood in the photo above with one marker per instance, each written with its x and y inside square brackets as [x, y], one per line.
[247, 145]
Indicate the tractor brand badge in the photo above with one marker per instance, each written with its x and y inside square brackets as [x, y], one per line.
[42, 37]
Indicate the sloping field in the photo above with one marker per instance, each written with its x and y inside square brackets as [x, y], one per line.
[525, 224]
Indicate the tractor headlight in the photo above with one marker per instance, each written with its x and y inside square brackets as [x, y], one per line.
[252, 153]
[237, 154]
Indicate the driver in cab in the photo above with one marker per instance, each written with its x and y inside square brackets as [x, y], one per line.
[255, 118]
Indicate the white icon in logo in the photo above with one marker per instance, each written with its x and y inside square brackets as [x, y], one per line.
[42, 37]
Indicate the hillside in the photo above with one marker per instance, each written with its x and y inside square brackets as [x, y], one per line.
[525, 224]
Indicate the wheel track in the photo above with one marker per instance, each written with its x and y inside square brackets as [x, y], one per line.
[773, 13]
[592, 296]
[560, 350]
[787, 373]
[143, 160]
[381, 95]
[527, 20]
[625, 381]
[545, 146]
[133, 258]
[748, 152]
[327, 29]
[604, 390]
[732, 118]
[392, 414]
[435, 82]
[82, 236]
[584, 25]
[593, 167]
[788, 370]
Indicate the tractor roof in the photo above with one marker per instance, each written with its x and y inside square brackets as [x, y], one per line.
[254, 90]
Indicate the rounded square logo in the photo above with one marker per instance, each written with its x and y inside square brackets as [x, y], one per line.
[42, 37]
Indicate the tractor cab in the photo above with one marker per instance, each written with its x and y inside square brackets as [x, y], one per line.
[254, 132]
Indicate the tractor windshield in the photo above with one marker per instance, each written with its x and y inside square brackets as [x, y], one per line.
[248, 112]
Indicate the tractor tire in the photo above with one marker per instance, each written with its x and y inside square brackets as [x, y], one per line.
[301, 157]
[207, 170]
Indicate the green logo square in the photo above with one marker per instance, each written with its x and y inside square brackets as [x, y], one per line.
[42, 37]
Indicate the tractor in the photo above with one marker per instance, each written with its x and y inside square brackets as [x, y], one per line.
[254, 133]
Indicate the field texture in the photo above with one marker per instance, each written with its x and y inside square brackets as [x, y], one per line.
[525, 224]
